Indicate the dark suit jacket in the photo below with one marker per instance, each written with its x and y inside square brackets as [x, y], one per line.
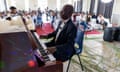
[65, 41]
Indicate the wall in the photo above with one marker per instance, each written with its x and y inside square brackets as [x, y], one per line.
[33, 4]
[116, 12]
[116, 7]
[17, 3]
[63, 2]
[52, 4]
[2, 6]
[20, 5]
[96, 5]
[42, 4]
[86, 5]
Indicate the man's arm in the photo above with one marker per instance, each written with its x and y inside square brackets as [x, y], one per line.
[70, 41]
[48, 36]
[53, 34]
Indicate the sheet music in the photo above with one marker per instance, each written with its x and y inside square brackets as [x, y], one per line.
[30, 23]
[15, 25]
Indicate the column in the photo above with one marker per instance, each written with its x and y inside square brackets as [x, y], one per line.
[58, 5]
[26, 5]
[2, 5]
[96, 6]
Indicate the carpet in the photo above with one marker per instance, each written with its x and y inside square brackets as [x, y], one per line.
[93, 32]
[45, 29]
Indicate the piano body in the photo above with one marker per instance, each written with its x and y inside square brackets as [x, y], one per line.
[18, 54]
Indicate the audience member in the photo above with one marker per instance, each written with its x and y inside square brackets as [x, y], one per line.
[34, 17]
[13, 11]
[101, 20]
[52, 17]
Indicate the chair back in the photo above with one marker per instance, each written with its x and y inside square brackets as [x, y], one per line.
[79, 41]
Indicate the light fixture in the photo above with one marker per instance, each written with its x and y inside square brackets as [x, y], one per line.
[106, 1]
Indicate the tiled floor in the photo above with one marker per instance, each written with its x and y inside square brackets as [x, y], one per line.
[98, 56]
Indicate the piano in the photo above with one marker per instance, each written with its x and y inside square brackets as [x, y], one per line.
[19, 54]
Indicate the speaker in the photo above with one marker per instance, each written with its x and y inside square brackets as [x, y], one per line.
[116, 33]
[108, 34]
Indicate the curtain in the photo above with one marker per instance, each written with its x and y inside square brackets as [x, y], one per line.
[105, 9]
[78, 6]
[92, 5]
[101, 8]
[5, 3]
[108, 9]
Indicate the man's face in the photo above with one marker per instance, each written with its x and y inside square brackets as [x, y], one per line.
[13, 11]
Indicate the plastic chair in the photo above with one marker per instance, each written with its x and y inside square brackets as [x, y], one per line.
[78, 47]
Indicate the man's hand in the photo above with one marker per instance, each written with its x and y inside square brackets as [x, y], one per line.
[51, 49]
[43, 37]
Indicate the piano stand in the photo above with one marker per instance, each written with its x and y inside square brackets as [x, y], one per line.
[55, 67]
[16, 53]
[58, 67]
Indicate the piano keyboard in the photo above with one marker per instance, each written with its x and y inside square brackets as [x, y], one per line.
[41, 52]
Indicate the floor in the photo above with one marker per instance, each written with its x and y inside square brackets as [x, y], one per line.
[97, 56]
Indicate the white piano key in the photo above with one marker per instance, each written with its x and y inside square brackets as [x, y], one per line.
[42, 44]
[51, 57]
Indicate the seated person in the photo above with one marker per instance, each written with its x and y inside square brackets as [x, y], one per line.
[101, 20]
[62, 45]
[94, 16]
[13, 11]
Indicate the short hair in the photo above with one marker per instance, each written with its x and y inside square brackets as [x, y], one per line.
[66, 11]
[12, 7]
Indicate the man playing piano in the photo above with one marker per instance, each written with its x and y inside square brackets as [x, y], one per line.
[62, 45]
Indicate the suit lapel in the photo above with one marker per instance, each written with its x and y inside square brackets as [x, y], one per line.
[66, 25]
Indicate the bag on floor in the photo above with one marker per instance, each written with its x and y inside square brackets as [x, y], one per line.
[116, 34]
[108, 34]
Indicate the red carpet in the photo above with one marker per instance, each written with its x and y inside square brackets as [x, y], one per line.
[93, 32]
[45, 29]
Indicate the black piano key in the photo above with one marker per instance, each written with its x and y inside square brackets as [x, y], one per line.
[43, 53]
[39, 61]
[47, 60]
[45, 57]
[42, 50]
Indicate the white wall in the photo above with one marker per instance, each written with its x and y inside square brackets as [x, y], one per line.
[17, 3]
[20, 4]
[96, 5]
[86, 5]
[2, 7]
[42, 4]
[33, 4]
[27, 5]
[116, 7]
[52, 4]
[63, 2]
[116, 12]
